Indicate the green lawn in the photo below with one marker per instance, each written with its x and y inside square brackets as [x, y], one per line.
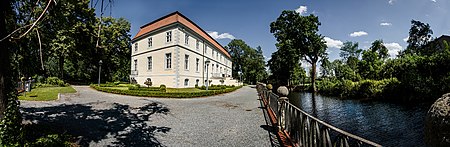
[45, 93]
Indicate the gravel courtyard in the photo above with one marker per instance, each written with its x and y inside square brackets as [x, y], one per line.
[103, 119]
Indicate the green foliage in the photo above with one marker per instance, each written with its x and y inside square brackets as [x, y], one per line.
[176, 94]
[55, 81]
[144, 88]
[53, 140]
[248, 60]
[162, 88]
[419, 36]
[215, 87]
[359, 90]
[349, 49]
[300, 33]
[11, 133]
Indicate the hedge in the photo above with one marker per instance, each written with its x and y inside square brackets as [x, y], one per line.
[144, 88]
[146, 93]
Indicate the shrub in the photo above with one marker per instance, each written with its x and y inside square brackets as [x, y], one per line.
[165, 94]
[148, 82]
[144, 88]
[51, 140]
[55, 81]
[162, 88]
[42, 85]
[196, 86]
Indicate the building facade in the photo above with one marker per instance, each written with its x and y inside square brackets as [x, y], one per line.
[174, 51]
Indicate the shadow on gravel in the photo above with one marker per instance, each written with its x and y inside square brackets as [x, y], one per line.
[128, 125]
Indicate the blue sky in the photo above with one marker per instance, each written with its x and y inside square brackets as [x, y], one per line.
[360, 21]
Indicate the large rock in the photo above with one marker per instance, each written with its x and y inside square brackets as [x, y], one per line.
[437, 124]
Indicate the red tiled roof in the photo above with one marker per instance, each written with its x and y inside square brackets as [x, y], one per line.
[180, 18]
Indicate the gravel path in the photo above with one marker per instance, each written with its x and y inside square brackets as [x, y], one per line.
[103, 119]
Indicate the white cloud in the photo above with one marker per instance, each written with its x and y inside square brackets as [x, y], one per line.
[391, 2]
[405, 39]
[393, 48]
[216, 35]
[385, 24]
[331, 43]
[302, 10]
[359, 33]
[433, 0]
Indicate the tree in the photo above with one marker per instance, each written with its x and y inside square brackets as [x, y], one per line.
[350, 53]
[326, 67]
[378, 46]
[247, 60]
[284, 63]
[301, 32]
[349, 49]
[419, 35]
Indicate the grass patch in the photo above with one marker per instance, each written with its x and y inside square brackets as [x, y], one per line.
[45, 93]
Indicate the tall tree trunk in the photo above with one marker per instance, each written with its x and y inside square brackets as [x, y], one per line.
[61, 66]
[313, 77]
[5, 69]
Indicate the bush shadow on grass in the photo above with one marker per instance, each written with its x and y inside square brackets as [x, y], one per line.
[129, 126]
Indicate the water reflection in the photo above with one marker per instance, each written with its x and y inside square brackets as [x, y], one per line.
[385, 123]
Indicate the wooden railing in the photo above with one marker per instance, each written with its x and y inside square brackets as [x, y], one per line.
[302, 129]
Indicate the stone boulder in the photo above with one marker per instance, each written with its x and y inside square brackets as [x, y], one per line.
[437, 123]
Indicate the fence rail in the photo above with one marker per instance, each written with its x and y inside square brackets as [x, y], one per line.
[304, 129]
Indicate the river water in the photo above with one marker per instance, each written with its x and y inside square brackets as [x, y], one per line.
[388, 124]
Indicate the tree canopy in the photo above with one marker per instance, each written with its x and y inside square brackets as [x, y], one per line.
[247, 60]
[301, 33]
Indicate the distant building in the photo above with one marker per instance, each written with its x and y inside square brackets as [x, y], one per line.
[172, 50]
[440, 41]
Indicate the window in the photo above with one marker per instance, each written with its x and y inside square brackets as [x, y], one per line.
[168, 60]
[135, 64]
[169, 36]
[196, 82]
[206, 49]
[217, 68]
[212, 53]
[186, 82]
[217, 55]
[212, 68]
[135, 46]
[197, 63]
[150, 42]
[149, 67]
[186, 39]
[197, 45]
[186, 62]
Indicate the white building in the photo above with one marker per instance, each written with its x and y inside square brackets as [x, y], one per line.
[172, 50]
